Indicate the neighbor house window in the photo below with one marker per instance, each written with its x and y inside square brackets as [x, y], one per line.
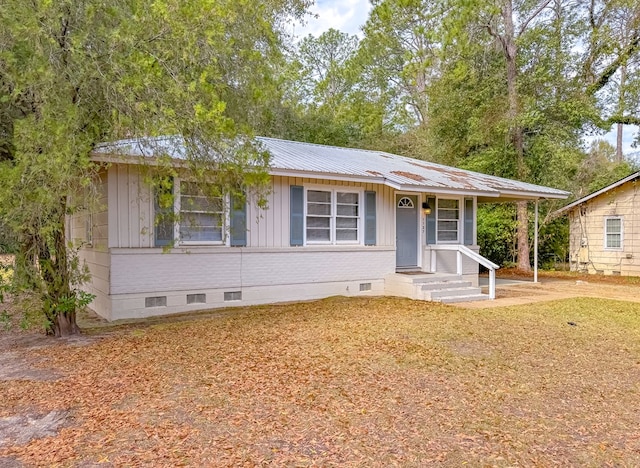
[201, 213]
[613, 233]
[448, 224]
[332, 217]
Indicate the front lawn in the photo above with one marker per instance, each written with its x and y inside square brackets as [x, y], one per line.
[344, 382]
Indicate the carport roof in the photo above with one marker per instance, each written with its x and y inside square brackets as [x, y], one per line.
[297, 159]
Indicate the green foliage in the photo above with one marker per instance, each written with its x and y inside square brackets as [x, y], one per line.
[6, 277]
[553, 245]
[325, 76]
[8, 241]
[66, 304]
[5, 320]
[73, 74]
[600, 168]
[399, 54]
[323, 97]
[497, 233]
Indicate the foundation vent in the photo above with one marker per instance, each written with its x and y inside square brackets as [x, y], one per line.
[155, 301]
[365, 286]
[232, 296]
[196, 298]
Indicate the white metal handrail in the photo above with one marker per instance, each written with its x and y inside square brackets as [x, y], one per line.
[463, 249]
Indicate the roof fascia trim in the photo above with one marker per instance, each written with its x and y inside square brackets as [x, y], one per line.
[444, 191]
[533, 195]
[328, 175]
[597, 193]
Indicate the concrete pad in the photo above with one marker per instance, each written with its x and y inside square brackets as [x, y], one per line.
[484, 281]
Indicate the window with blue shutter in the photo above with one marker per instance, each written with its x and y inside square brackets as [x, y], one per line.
[296, 221]
[468, 221]
[238, 221]
[370, 218]
[164, 216]
[431, 222]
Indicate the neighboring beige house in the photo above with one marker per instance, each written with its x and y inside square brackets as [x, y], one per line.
[339, 222]
[605, 229]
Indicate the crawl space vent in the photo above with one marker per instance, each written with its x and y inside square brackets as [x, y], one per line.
[232, 296]
[155, 301]
[196, 298]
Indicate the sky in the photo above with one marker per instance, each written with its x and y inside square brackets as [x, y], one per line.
[349, 16]
[344, 15]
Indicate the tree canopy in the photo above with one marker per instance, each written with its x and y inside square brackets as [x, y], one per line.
[73, 74]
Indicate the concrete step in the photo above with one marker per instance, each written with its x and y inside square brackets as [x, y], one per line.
[453, 292]
[454, 284]
[425, 278]
[435, 278]
[469, 298]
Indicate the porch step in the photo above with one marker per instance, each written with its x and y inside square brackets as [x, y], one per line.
[424, 278]
[437, 287]
[469, 298]
[438, 294]
[453, 284]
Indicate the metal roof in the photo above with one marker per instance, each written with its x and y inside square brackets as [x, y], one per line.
[291, 158]
[580, 201]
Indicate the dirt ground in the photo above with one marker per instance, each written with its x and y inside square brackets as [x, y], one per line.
[552, 287]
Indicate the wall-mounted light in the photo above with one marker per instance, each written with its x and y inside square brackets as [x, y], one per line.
[426, 209]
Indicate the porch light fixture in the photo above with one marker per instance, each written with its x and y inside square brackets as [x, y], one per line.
[426, 209]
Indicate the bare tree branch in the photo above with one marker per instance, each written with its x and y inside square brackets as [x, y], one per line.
[533, 15]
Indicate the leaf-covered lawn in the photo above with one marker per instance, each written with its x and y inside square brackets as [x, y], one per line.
[348, 382]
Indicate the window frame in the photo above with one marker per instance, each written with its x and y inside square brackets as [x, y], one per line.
[620, 233]
[334, 190]
[177, 211]
[458, 231]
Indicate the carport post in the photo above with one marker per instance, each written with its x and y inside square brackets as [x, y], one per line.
[535, 247]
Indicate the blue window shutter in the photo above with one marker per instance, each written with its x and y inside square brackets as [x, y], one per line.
[163, 217]
[370, 218]
[468, 221]
[296, 222]
[238, 222]
[431, 221]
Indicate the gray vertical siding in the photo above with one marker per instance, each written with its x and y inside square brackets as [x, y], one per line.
[131, 208]
[95, 256]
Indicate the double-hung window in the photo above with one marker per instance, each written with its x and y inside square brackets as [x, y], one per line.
[332, 217]
[448, 225]
[613, 233]
[201, 218]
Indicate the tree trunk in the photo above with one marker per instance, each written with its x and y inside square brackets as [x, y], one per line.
[56, 273]
[523, 236]
[517, 135]
[620, 127]
[64, 324]
[619, 135]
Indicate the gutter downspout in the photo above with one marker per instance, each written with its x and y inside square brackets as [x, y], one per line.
[535, 247]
